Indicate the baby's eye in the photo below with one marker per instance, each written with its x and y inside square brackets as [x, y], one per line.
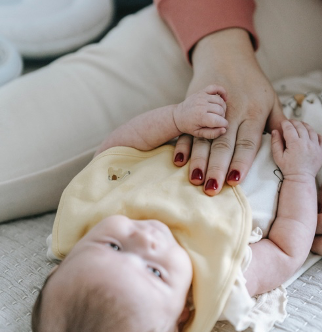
[155, 271]
[115, 246]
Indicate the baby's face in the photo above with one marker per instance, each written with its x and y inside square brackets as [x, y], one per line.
[141, 262]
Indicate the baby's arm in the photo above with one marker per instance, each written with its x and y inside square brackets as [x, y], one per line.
[289, 241]
[201, 115]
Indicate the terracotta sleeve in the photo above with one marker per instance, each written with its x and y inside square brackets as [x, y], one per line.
[191, 20]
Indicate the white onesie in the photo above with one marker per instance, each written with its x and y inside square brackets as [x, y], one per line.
[261, 188]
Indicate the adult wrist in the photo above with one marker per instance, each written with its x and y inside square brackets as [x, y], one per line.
[218, 57]
[229, 43]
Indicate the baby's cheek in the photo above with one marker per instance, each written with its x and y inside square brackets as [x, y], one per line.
[183, 266]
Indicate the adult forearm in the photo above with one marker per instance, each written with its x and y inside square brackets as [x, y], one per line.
[192, 20]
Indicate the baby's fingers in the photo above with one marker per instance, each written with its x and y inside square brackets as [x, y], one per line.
[300, 128]
[290, 133]
[216, 109]
[217, 100]
[214, 89]
[211, 133]
[313, 135]
[211, 120]
[277, 145]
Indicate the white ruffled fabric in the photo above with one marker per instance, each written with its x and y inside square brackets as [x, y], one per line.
[259, 313]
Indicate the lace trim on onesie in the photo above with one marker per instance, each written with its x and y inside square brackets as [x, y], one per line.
[260, 312]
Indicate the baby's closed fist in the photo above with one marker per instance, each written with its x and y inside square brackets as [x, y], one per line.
[203, 113]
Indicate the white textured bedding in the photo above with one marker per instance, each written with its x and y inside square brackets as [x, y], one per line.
[23, 268]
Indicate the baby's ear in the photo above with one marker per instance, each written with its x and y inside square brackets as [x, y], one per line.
[184, 317]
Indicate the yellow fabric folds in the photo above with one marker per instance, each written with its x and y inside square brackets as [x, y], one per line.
[144, 185]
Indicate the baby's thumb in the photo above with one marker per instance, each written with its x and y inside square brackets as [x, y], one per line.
[277, 145]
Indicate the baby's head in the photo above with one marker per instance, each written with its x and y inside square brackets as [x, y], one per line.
[123, 275]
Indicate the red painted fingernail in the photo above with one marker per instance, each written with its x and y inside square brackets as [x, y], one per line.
[179, 157]
[234, 176]
[211, 184]
[196, 174]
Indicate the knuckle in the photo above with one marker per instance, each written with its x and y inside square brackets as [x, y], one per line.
[246, 144]
[240, 164]
[183, 144]
[222, 144]
[184, 141]
[201, 141]
[198, 159]
[215, 169]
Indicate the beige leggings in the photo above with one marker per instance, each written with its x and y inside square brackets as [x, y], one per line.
[52, 120]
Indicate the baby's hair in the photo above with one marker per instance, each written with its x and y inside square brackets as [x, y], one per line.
[89, 309]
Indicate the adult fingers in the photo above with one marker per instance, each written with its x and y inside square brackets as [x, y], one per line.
[182, 150]
[247, 144]
[222, 149]
[199, 160]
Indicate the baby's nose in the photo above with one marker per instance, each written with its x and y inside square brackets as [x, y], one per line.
[146, 238]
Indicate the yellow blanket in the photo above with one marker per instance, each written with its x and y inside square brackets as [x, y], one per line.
[144, 185]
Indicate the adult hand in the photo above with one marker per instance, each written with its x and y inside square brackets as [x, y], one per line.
[227, 58]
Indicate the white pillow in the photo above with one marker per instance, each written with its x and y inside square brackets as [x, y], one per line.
[48, 28]
[10, 62]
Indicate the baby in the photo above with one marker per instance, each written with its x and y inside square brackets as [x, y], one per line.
[136, 234]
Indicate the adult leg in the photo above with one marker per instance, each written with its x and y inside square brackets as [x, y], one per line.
[290, 37]
[52, 120]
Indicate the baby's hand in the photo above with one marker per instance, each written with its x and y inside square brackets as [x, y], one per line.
[302, 153]
[203, 113]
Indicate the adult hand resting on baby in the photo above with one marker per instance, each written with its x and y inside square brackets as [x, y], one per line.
[227, 59]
